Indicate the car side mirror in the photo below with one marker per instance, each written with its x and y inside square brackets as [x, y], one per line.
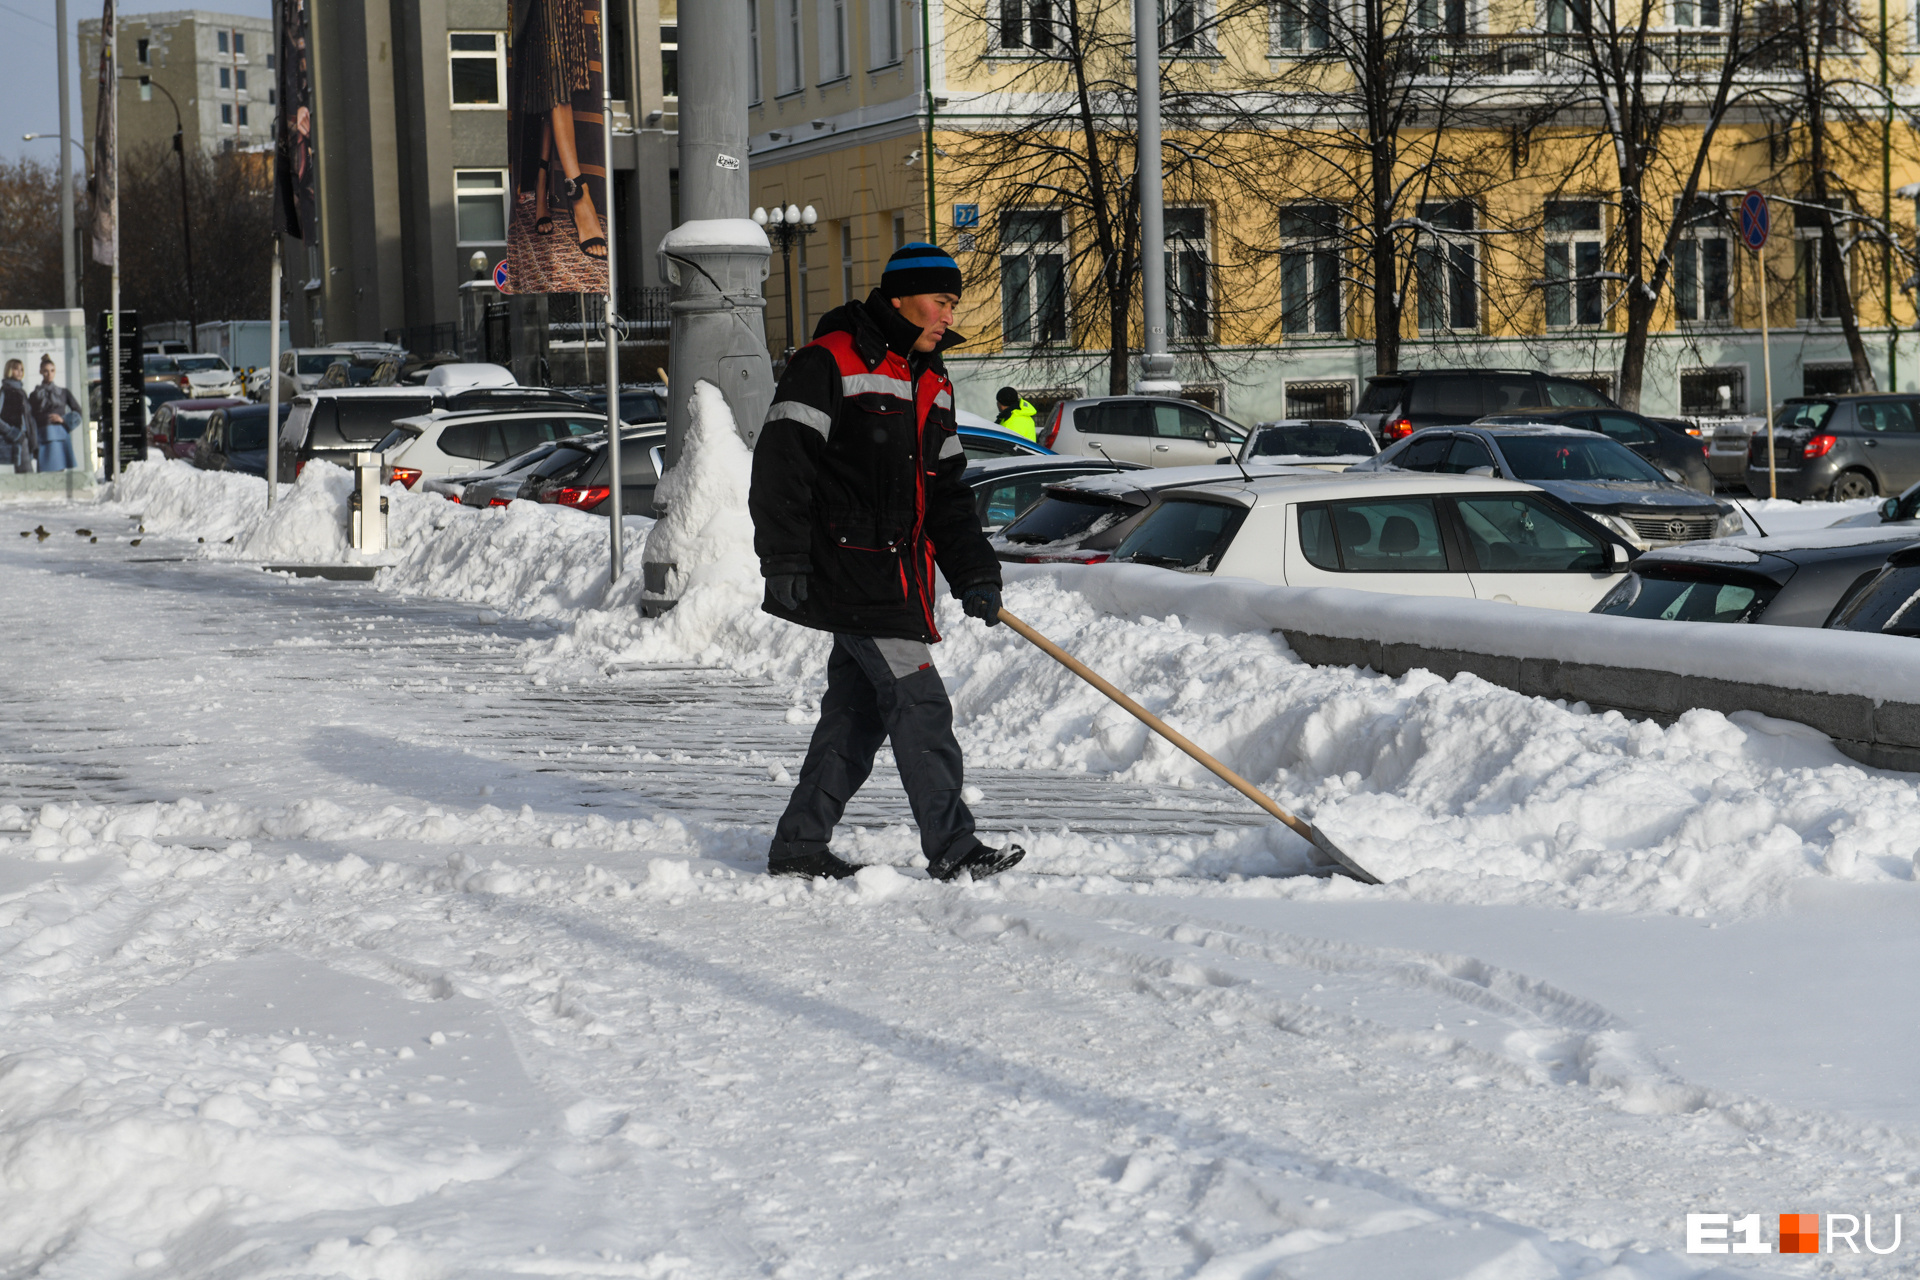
[1485, 473]
[1617, 556]
[1211, 436]
[1890, 509]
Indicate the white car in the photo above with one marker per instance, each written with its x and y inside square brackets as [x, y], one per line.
[1153, 431]
[307, 365]
[1422, 535]
[1322, 444]
[444, 443]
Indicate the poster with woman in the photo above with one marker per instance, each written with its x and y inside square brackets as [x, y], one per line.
[556, 148]
[43, 397]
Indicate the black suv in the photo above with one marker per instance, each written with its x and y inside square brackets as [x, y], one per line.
[1839, 447]
[333, 424]
[1395, 405]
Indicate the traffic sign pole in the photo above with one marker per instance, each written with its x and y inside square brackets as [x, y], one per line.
[1756, 222]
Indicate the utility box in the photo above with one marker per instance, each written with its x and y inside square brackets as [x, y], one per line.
[369, 504]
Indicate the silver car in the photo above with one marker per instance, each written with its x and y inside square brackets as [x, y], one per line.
[1153, 431]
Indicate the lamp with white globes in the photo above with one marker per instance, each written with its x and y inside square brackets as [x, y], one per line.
[786, 227]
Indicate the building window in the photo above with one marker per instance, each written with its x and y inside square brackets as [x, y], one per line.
[1310, 269]
[1575, 292]
[1330, 399]
[243, 117]
[670, 60]
[220, 38]
[1189, 288]
[226, 78]
[1696, 13]
[1701, 291]
[1713, 393]
[899, 230]
[476, 68]
[1448, 269]
[269, 62]
[1033, 276]
[1815, 292]
[240, 79]
[1300, 24]
[793, 74]
[1565, 16]
[480, 205]
[141, 51]
[1446, 16]
[753, 50]
[833, 41]
[846, 262]
[226, 113]
[1024, 25]
[1184, 29]
[883, 39]
[240, 44]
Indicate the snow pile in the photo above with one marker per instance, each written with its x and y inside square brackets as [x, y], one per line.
[706, 534]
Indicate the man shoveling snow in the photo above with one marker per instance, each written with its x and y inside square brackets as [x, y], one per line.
[856, 496]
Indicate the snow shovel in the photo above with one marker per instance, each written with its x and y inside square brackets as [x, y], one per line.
[1305, 830]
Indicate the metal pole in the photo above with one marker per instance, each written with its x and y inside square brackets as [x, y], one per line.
[1156, 365]
[615, 516]
[926, 76]
[67, 260]
[113, 304]
[1766, 366]
[1886, 211]
[273, 373]
[786, 285]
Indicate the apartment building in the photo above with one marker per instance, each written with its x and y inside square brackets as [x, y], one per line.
[410, 110]
[215, 70]
[1509, 245]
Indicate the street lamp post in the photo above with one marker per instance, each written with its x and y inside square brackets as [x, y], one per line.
[69, 268]
[787, 227]
[186, 221]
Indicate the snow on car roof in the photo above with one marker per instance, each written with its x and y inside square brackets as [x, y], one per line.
[1155, 478]
[1044, 462]
[1297, 484]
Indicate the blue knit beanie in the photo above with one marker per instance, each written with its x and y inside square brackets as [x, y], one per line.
[919, 268]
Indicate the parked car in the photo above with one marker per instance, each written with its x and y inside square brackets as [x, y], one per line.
[1889, 602]
[202, 376]
[157, 391]
[1324, 444]
[453, 488]
[177, 426]
[307, 365]
[1426, 535]
[1791, 580]
[1904, 508]
[450, 443]
[334, 423]
[1151, 430]
[1674, 453]
[236, 440]
[1606, 480]
[992, 442]
[1083, 520]
[1003, 488]
[1395, 405]
[565, 458]
[587, 485]
[639, 401]
[1840, 448]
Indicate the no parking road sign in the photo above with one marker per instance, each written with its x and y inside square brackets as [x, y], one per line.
[1755, 221]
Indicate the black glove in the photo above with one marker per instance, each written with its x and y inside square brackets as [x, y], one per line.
[982, 602]
[789, 590]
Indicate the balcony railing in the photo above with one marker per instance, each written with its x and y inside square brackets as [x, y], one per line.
[1676, 54]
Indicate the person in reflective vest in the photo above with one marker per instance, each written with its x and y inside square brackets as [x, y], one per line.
[857, 497]
[1017, 414]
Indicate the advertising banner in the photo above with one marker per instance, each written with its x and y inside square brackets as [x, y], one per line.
[105, 183]
[293, 141]
[43, 397]
[556, 146]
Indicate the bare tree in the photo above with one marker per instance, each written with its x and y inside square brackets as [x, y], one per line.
[30, 270]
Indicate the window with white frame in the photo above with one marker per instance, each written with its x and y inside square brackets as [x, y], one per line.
[1702, 276]
[883, 33]
[1033, 276]
[1185, 29]
[1025, 26]
[1449, 17]
[1189, 274]
[788, 47]
[1567, 16]
[1576, 296]
[240, 44]
[835, 60]
[1295, 25]
[755, 94]
[1310, 268]
[477, 69]
[1816, 292]
[1696, 13]
[1719, 391]
[1448, 267]
[480, 205]
[226, 78]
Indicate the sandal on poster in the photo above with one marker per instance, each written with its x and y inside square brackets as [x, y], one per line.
[543, 225]
[577, 192]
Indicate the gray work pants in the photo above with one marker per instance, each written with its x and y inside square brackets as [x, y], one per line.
[880, 690]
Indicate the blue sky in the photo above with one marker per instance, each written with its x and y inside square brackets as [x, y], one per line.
[29, 75]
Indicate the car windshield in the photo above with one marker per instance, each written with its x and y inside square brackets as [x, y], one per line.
[1184, 534]
[560, 461]
[317, 363]
[161, 392]
[393, 439]
[248, 433]
[1066, 514]
[1312, 440]
[1581, 457]
[162, 364]
[196, 364]
[1691, 599]
[1802, 415]
[189, 425]
[1890, 604]
[1381, 395]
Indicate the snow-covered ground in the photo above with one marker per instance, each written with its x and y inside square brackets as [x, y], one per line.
[416, 929]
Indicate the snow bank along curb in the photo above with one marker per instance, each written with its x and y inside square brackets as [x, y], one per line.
[1863, 691]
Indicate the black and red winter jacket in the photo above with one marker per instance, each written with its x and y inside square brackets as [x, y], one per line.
[856, 480]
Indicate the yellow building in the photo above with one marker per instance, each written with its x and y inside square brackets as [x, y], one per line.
[1508, 245]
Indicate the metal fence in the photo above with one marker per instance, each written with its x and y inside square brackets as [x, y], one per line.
[1564, 54]
[643, 312]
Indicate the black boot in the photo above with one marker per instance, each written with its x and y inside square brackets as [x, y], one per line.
[820, 865]
[980, 862]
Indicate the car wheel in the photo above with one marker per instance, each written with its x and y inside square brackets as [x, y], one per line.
[1851, 486]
